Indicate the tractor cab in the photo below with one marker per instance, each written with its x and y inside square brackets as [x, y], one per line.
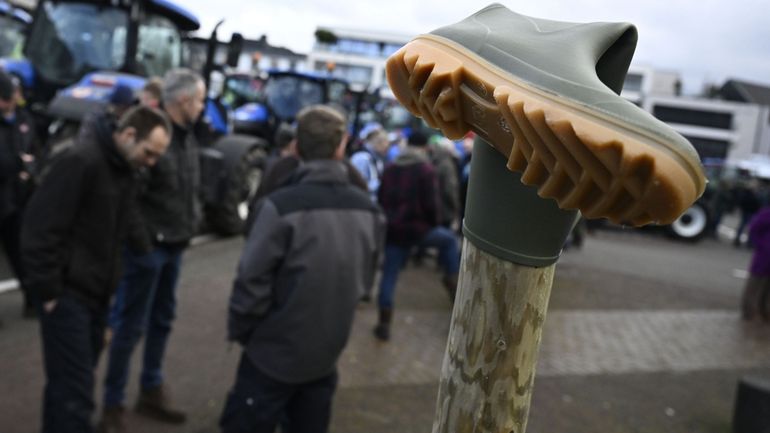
[13, 27]
[283, 95]
[78, 52]
[241, 88]
[70, 39]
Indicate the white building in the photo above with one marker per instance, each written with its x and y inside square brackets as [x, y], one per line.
[644, 81]
[357, 56]
[721, 131]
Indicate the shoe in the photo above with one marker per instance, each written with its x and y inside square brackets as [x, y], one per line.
[382, 330]
[545, 95]
[112, 421]
[156, 403]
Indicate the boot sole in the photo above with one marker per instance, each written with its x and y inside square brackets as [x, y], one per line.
[582, 159]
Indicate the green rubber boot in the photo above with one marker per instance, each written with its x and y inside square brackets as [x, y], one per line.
[545, 95]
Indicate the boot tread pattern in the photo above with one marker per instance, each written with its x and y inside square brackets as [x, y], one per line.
[578, 161]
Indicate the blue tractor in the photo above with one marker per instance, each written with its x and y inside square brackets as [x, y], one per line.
[77, 52]
[282, 95]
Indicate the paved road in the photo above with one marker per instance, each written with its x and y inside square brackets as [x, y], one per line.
[642, 336]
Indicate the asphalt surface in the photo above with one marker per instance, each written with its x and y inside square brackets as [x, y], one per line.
[642, 335]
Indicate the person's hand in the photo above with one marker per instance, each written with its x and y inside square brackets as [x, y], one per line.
[49, 306]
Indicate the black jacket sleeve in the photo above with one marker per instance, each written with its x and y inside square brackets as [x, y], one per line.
[47, 224]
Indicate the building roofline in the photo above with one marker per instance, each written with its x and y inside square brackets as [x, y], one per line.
[368, 35]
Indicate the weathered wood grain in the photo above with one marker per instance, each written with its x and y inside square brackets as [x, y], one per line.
[489, 365]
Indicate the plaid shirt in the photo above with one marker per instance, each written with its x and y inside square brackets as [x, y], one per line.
[409, 196]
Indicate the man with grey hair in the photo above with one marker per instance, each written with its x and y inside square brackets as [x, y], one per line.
[145, 301]
[313, 249]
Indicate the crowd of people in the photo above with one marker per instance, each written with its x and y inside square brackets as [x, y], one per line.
[97, 240]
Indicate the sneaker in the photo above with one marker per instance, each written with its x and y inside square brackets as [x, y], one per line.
[112, 421]
[545, 94]
[156, 403]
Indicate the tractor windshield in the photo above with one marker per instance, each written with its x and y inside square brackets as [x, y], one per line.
[69, 39]
[241, 89]
[287, 94]
[11, 37]
[160, 46]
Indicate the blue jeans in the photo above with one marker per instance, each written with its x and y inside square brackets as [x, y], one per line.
[73, 336]
[145, 303]
[396, 255]
[258, 403]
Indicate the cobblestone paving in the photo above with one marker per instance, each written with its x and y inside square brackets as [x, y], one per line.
[601, 342]
[574, 343]
[634, 342]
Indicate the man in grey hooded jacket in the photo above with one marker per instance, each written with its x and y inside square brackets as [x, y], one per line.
[312, 250]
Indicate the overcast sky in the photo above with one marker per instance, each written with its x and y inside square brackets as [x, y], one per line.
[706, 41]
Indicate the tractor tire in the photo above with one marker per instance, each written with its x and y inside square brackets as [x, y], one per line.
[228, 217]
[691, 225]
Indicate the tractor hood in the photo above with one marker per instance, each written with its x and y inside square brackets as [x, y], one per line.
[91, 92]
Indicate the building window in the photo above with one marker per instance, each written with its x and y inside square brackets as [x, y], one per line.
[355, 46]
[708, 148]
[633, 83]
[689, 116]
[389, 49]
[351, 73]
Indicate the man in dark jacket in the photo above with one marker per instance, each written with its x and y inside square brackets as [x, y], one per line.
[312, 250]
[409, 196]
[71, 240]
[145, 300]
[17, 154]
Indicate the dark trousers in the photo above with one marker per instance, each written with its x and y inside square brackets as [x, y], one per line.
[145, 304]
[258, 403]
[10, 237]
[73, 337]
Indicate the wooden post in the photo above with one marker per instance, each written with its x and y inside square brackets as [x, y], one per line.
[512, 242]
[489, 365]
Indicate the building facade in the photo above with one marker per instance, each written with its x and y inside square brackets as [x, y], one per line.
[257, 55]
[722, 131]
[357, 56]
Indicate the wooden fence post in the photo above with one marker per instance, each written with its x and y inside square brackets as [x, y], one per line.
[489, 365]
